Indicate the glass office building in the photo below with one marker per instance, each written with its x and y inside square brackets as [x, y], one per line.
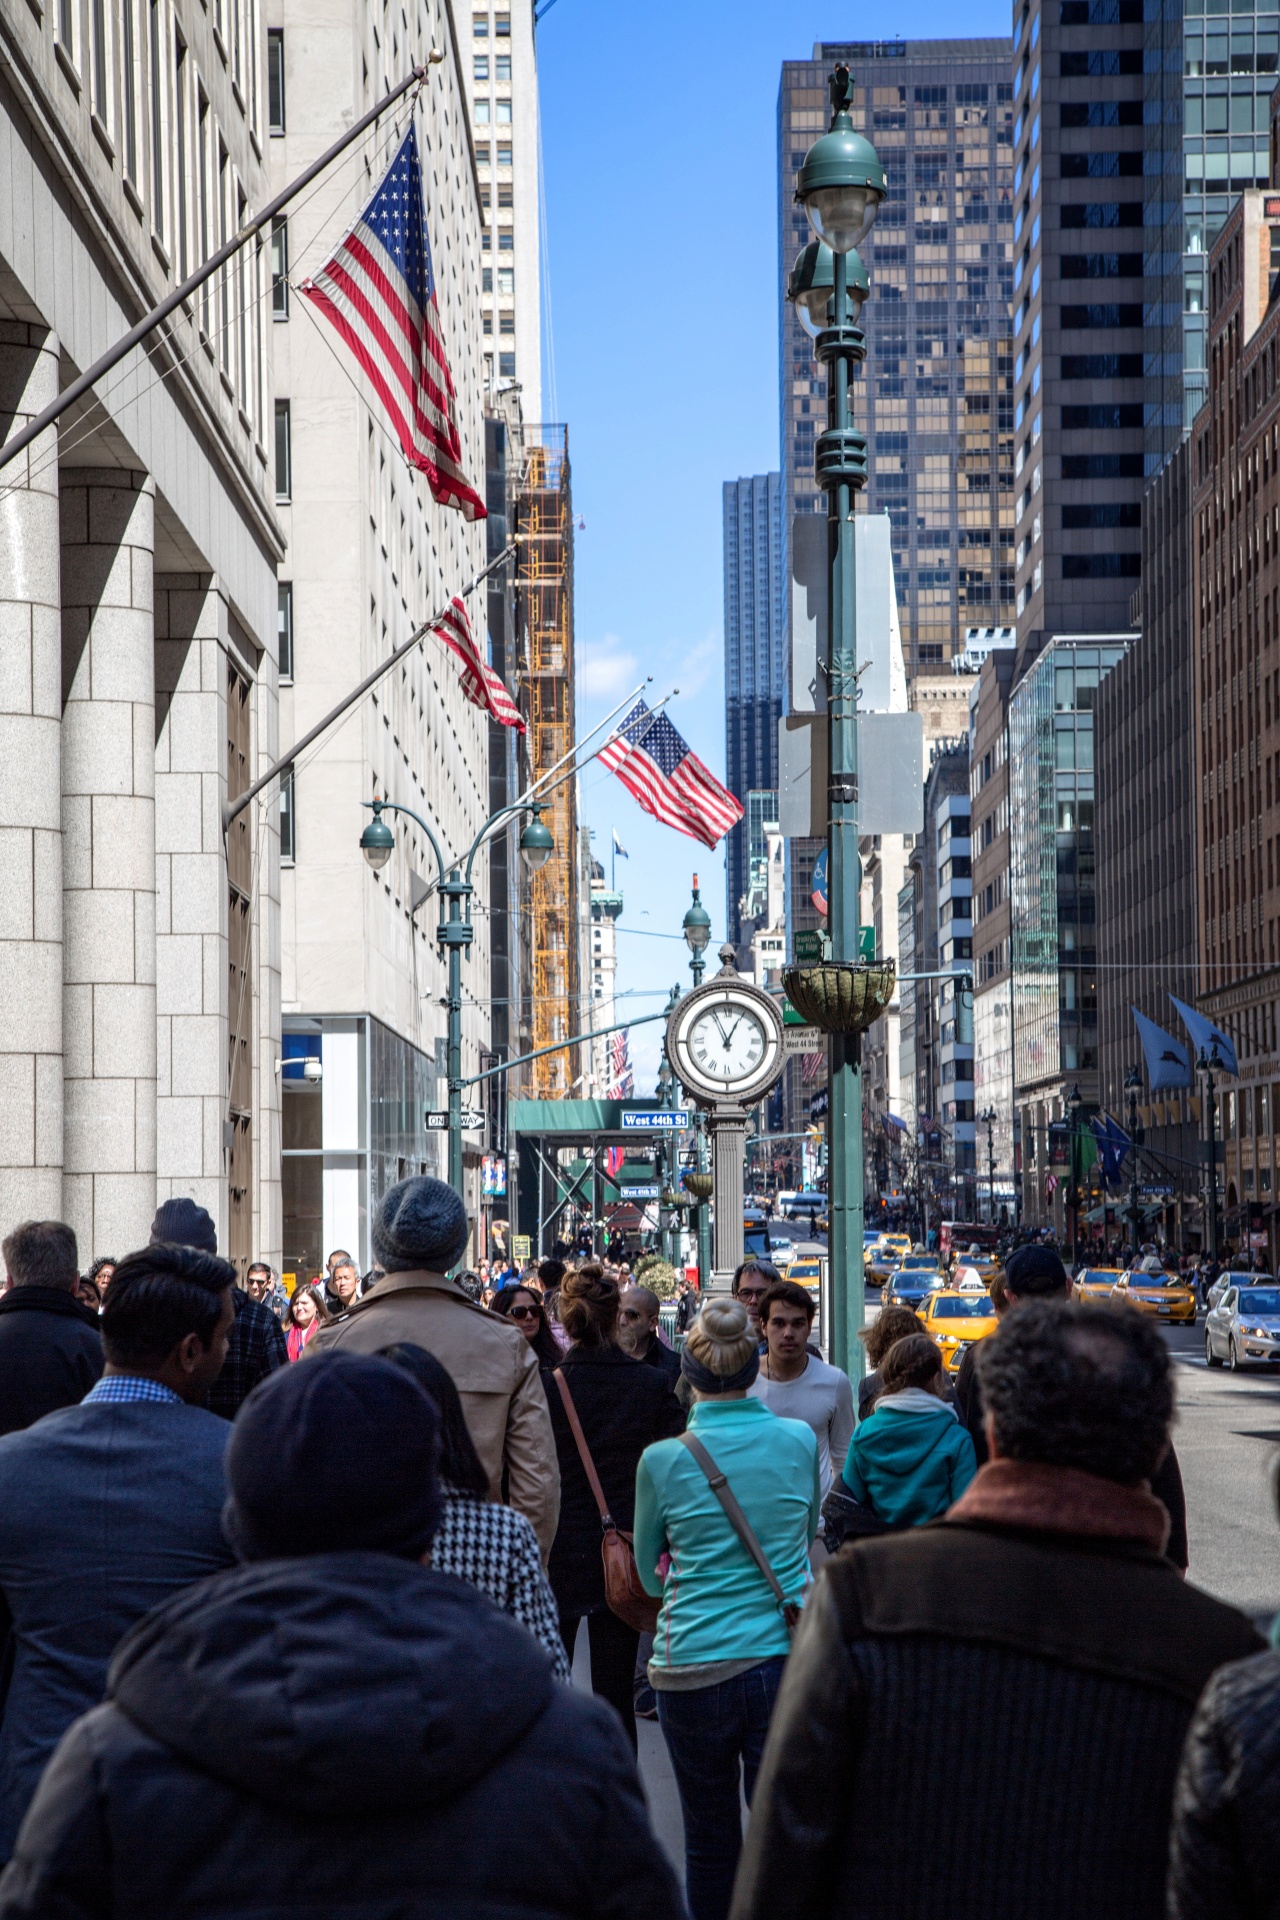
[935, 396]
[755, 611]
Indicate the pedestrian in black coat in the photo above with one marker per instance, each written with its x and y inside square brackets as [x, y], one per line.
[1226, 1811]
[1038, 1630]
[624, 1406]
[50, 1347]
[397, 1703]
[257, 1346]
[1037, 1273]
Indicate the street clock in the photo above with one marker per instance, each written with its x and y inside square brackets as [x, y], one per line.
[724, 1041]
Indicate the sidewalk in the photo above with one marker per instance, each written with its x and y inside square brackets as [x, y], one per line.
[655, 1768]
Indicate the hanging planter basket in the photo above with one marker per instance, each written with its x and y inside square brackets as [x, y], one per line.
[699, 1185]
[840, 997]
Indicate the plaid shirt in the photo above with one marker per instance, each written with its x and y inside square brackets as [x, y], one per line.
[255, 1349]
[126, 1389]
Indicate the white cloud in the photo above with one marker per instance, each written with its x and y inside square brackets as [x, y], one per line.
[605, 669]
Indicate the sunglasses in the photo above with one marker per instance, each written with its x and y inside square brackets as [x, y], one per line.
[522, 1313]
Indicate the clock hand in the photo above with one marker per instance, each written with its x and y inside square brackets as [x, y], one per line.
[715, 1015]
[728, 1038]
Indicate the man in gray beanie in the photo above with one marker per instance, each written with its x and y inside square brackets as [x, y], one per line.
[419, 1233]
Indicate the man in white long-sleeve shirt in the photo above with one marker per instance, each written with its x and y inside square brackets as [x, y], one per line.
[794, 1383]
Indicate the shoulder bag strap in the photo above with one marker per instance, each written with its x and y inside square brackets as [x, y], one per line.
[584, 1451]
[737, 1518]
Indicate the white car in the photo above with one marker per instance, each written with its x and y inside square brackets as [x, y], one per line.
[1244, 1326]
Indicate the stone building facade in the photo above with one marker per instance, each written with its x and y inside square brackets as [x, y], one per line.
[139, 949]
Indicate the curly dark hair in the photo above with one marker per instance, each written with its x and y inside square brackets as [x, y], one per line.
[589, 1307]
[1079, 1386]
[890, 1324]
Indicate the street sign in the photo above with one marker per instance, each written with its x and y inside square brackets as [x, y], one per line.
[656, 1120]
[808, 948]
[472, 1120]
[800, 1040]
[1152, 1193]
[640, 1193]
[866, 943]
[520, 1245]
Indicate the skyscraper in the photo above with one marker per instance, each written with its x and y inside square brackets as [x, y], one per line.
[496, 42]
[755, 605]
[934, 400]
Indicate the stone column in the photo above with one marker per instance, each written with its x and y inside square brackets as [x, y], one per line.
[30, 813]
[109, 859]
[728, 1159]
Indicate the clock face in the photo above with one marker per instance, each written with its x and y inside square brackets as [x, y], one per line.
[727, 1043]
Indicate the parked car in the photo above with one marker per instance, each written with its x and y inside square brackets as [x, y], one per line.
[1244, 1326]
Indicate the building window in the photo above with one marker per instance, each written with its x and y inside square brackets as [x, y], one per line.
[284, 452]
[280, 270]
[502, 113]
[130, 90]
[275, 79]
[486, 279]
[284, 628]
[506, 194]
[506, 241]
[66, 17]
[507, 323]
[507, 280]
[100, 96]
[180, 155]
[202, 161]
[502, 26]
[504, 156]
[502, 67]
[480, 26]
[506, 366]
[288, 842]
[482, 66]
[482, 113]
[157, 121]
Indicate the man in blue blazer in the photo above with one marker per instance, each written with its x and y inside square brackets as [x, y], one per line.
[112, 1506]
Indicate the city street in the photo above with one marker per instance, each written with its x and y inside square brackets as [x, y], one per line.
[1227, 1431]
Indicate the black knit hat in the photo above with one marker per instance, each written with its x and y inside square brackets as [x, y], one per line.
[1035, 1272]
[334, 1455]
[420, 1225]
[183, 1223]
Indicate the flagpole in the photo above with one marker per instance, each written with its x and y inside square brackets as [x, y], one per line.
[253, 226]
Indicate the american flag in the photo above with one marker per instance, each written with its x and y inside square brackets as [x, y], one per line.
[378, 290]
[660, 770]
[621, 1081]
[482, 686]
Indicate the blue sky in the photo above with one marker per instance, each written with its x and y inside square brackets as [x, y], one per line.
[658, 127]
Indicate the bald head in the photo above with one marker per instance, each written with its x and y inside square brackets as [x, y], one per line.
[637, 1319]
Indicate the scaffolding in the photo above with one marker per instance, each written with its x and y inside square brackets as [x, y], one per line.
[544, 520]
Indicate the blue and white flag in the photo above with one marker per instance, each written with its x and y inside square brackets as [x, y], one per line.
[1212, 1039]
[618, 846]
[1167, 1064]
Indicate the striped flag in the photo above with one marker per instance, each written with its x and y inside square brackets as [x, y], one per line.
[480, 683]
[621, 1082]
[378, 290]
[660, 770]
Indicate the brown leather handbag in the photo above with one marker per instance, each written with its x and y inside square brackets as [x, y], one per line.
[623, 1587]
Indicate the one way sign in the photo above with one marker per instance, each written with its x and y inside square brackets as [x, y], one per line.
[472, 1120]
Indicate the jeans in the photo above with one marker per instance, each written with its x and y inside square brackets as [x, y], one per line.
[709, 1732]
[613, 1660]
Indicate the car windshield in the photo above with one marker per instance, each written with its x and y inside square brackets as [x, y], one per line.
[976, 1306]
[1260, 1300]
[1146, 1280]
[920, 1263]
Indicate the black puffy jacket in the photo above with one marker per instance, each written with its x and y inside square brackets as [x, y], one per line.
[1226, 1810]
[346, 1735]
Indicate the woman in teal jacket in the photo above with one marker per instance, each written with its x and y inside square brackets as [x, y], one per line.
[910, 1459]
[722, 1638]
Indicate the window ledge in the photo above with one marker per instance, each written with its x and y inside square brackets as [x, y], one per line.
[67, 64]
[132, 195]
[161, 252]
[102, 136]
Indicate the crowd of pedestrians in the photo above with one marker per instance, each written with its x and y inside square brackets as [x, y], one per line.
[292, 1585]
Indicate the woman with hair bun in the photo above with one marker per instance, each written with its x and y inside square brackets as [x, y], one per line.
[723, 1632]
[622, 1406]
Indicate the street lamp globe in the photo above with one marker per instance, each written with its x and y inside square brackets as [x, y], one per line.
[810, 284]
[1133, 1082]
[377, 842]
[841, 183]
[697, 923]
[537, 844]
[1075, 1101]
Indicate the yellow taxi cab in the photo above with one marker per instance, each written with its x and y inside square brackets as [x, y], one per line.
[898, 1243]
[956, 1320]
[1162, 1295]
[1097, 1283]
[806, 1272]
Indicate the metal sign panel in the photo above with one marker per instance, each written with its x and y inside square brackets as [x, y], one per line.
[472, 1120]
[640, 1193]
[802, 1040]
[890, 774]
[659, 1120]
[875, 599]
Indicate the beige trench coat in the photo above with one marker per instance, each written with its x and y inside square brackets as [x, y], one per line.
[491, 1364]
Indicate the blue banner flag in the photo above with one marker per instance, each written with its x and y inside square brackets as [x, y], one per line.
[1113, 1146]
[1168, 1066]
[1212, 1039]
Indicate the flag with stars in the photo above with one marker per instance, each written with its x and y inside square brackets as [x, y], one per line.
[378, 290]
[660, 770]
[482, 686]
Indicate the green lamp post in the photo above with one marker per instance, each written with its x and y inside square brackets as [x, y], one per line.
[454, 933]
[697, 932]
[841, 186]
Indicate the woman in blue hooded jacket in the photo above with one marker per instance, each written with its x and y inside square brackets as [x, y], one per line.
[910, 1459]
